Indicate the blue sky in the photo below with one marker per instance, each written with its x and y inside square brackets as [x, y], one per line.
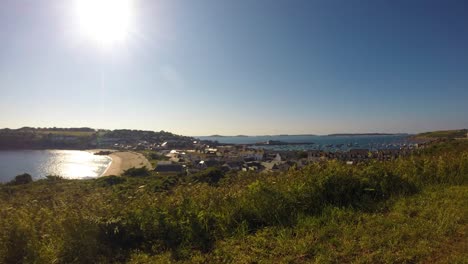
[240, 67]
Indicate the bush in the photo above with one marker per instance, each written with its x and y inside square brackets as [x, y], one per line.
[16, 243]
[156, 156]
[110, 180]
[341, 190]
[264, 205]
[21, 179]
[210, 175]
[54, 178]
[162, 217]
[137, 172]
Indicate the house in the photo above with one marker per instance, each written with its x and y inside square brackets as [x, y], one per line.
[255, 154]
[271, 165]
[277, 157]
[359, 153]
[286, 165]
[207, 163]
[253, 166]
[273, 157]
[314, 154]
[177, 160]
[169, 144]
[233, 165]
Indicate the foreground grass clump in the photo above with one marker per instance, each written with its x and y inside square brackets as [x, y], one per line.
[413, 229]
[402, 211]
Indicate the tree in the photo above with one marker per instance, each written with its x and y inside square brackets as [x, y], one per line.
[210, 175]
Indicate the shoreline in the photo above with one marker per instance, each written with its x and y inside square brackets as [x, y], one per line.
[123, 160]
[108, 166]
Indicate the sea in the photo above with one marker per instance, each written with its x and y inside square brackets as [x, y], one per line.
[70, 164]
[326, 143]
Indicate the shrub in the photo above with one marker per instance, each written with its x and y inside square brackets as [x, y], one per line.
[110, 180]
[82, 242]
[54, 178]
[156, 156]
[264, 205]
[252, 213]
[21, 179]
[137, 172]
[210, 175]
[16, 245]
[341, 190]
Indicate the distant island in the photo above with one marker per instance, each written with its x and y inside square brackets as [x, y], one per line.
[280, 135]
[365, 134]
[298, 135]
[228, 136]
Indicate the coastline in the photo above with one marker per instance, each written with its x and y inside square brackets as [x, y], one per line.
[123, 160]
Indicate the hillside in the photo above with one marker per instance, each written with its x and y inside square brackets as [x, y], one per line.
[408, 210]
[83, 138]
[444, 134]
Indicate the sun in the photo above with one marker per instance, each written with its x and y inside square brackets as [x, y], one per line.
[105, 22]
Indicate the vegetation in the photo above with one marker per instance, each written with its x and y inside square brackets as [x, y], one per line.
[137, 172]
[445, 134]
[407, 210]
[21, 179]
[42, 138]
[153, 157]
[211, 176]
[81, 138]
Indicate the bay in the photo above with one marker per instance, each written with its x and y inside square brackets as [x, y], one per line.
[70, 164]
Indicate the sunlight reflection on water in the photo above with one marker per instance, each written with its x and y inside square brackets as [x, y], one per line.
[71, 164]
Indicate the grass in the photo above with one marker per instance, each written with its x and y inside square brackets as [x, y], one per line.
[153, 157]
[411, 230]
[444, 134]
[408, 210]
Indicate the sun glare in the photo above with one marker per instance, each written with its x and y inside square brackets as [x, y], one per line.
[106, 22]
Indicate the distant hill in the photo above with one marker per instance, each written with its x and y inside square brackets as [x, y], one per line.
[364, 134]
[81, 138]
[299, 135]
[228, 136]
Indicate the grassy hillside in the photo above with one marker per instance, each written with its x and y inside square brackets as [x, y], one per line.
[409, 210]
[444, 134]
[83, 138]
[67, 133]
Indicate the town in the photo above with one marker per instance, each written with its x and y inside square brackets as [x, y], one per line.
[186, 156]
[169, 153]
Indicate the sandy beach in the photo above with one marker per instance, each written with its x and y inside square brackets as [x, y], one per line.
[124, 160]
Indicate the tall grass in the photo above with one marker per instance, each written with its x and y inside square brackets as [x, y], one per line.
[153, 218]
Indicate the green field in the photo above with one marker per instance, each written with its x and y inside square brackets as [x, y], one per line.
[408, 210]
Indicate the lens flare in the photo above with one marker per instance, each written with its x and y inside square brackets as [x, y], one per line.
[106, 22]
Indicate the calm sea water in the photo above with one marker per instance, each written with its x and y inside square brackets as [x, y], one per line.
[331, 143]
[72, 164]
